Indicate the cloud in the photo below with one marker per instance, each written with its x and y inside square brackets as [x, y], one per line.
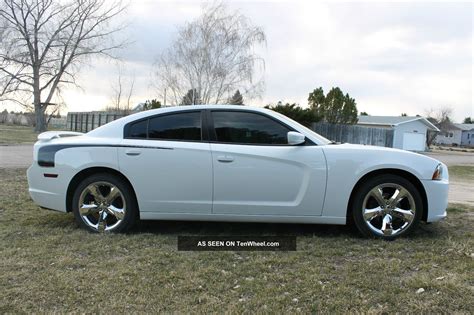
[392, 57]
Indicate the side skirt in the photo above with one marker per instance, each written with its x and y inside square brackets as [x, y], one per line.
[242, 218]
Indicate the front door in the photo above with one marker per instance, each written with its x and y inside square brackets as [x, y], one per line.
[256, 172]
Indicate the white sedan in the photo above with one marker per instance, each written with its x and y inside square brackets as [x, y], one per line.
[231, 163]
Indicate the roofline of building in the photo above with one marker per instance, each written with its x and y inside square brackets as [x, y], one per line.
[426, 121]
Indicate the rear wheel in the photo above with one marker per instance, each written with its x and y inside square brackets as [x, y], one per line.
[104, 202]
[387, 206]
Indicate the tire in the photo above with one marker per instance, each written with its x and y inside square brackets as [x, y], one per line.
[387, 206]
[104, 203]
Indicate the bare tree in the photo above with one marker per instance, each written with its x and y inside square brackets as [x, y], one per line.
[213, 55]
[43, 43]
[441, 118]
[122, 92]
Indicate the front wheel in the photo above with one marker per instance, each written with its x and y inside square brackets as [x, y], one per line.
[387, 206]
[104, 202]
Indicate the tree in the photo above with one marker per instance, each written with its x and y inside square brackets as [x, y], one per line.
[43, 42]
[191, 98]
[404, 114]
[123, 91]
[304, 116]
[441, 118]
[468, 120]
[151, 104]
[364, 114]
[236, 99]
[335, 107]
[213, 55]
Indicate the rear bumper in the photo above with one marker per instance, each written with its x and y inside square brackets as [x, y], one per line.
[46, 192]
[437, 195]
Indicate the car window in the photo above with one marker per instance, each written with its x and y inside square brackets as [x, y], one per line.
[182, 126]
[138, 129]
[248, 128]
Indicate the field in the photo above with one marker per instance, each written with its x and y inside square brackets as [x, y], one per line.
[49, 265]
[462, 172]
[17, 134]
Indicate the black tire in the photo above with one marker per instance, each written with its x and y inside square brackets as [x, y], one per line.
[125, 201]
[366, 202]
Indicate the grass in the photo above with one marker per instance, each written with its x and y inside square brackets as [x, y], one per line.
[49, 265]
[17, 134]
[463, 172]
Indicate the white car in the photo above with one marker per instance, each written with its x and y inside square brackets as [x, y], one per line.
[231, 163]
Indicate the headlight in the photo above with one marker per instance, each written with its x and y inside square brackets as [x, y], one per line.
[438, 173]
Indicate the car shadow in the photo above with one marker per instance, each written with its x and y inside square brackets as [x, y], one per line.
[204, 228]
[435, 230]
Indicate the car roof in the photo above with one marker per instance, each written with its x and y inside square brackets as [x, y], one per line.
[111, 128]
[114, 129]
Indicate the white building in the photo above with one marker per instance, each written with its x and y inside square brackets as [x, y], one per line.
[457, 135]
[409, 132]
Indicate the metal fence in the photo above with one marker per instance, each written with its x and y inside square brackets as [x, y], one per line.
[57, 123]
[86, 121]
[355, 134]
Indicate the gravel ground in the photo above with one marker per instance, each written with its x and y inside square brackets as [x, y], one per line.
[452, 158]
[16, 156]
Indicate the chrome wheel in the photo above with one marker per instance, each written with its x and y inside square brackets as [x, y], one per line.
[102, 206]
[388, 209]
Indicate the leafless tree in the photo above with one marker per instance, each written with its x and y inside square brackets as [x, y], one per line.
[441, 118]
[213, 55]
[43, 43]
[122, 92]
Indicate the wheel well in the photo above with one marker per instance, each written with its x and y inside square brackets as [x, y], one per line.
[412, 178]
[79, 177]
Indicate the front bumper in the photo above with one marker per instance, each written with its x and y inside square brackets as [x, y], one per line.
[437, 195]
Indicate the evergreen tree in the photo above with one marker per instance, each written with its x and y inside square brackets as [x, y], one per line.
[191, 98]
[304, 116]
[236, 99]
[335, 107]
[151, 104]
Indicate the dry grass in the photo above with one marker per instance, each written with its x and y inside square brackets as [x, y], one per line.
[17, 134]
[49, 265]
[462, 172]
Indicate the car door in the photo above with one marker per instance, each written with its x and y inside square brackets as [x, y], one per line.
[256, 172]
[168, 163]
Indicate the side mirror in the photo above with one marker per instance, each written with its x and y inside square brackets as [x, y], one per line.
[295, 138]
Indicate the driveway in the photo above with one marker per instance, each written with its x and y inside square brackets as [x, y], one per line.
[460, 191]
[453, 158]
[16, 156]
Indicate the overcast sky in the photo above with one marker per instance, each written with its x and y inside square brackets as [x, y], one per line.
[392, 57]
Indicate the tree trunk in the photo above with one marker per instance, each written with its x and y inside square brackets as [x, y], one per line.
[39, 108]
[39, 118]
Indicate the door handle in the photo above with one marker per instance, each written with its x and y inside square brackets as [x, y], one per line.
[133, 152]
[225, 158]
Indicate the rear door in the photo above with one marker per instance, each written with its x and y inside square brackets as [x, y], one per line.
[168, 163]
[256, 172]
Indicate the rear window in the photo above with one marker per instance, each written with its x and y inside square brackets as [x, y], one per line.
[180, 127]
[138, 130]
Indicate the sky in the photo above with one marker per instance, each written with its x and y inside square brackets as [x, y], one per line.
[392, 57]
